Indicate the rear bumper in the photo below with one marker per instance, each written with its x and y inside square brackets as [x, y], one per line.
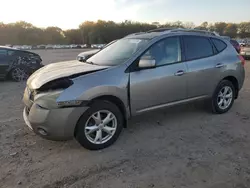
[53, 124]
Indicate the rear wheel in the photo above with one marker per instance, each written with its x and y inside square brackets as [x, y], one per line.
[223, 97]
[19, 74]
[99, 126]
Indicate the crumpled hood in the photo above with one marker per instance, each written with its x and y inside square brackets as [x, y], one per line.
[59, 70]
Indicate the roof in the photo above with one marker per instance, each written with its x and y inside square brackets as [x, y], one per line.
[9, 48]
[5, 47]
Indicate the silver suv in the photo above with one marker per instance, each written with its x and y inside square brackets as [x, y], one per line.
[92, 101]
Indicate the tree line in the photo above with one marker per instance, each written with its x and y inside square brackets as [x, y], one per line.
[102, 32]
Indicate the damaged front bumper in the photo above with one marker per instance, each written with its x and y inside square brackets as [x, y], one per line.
[54, 124]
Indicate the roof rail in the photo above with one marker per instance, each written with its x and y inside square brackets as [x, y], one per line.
[195, 31]
[183, 30]
[134, 34]
[170, 30]
[160, 29]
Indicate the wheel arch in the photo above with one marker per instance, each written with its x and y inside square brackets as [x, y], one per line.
[117, 101]
[235, 82]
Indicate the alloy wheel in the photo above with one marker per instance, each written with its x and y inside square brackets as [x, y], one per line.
[19, 74]
[225, 97]
[100, 127]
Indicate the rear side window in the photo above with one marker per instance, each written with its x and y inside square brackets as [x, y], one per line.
[197, 47]
[234, 42]
[219, 44]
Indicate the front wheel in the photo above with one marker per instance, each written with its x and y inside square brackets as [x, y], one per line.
[100, 126]
[223, 97]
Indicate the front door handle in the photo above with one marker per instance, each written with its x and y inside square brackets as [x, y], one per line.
[219, 65]
[179, 73]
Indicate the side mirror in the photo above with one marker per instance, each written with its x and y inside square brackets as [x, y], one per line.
[147, 62]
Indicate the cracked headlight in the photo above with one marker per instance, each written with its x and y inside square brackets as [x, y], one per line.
[47, 100]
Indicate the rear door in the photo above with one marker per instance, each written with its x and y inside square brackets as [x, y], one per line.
[201, 64]
[4, 62]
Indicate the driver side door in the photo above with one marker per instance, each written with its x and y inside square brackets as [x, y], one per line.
[162, 85]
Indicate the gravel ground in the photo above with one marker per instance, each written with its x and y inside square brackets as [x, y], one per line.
[184, 146]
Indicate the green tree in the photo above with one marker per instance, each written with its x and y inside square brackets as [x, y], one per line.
[220, 27]
[244, 29]
[231, 30]
[103, 31]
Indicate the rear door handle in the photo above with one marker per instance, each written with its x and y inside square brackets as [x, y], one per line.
[179, 73]
[219, 65]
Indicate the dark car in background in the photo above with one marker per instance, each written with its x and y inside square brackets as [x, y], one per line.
[236, 45]
[18, 65]
[85, 55]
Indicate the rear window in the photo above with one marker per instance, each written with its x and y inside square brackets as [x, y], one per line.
[197, 47]
[219, 44]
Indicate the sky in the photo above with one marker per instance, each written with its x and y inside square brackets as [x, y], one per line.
[68, 14]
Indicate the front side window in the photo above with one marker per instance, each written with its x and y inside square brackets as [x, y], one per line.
[11, 52]
[117, 52]
[166, 51]
[197, 47]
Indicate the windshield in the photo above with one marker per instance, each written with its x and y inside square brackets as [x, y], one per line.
[118, 52]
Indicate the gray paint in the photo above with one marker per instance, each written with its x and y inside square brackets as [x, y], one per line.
[149, 89]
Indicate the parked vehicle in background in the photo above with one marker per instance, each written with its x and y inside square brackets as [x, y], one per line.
[245, 52]
[92, 101]
[49, 46]
[236, 45]
[16, 46]
[18, 64]
[242, 43]
[41, 46]
[100, 46]
[85, 55]
[26, 47]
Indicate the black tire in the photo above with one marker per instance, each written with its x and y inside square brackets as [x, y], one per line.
[15, 78]
[95, 107]
[215, 107]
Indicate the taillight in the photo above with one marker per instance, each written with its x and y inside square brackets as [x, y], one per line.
[242, 60]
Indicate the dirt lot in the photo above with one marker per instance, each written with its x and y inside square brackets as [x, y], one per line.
[185, 146]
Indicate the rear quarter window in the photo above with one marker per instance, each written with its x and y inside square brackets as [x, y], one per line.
[234, 42]
[219, 44]
[197, 47]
